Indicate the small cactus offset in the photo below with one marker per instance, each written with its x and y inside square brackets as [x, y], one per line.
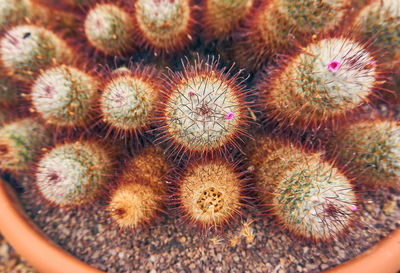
[141, 189]
[64, 96]
[308, 196]
[203, 109]
[326, 80]
[20, 143]
[280, 25]
[74, 173]
[371, 149]
[222, 17]
[109, 29]
[164, 25]
[27, 49]
[129, 98]
[210, 193]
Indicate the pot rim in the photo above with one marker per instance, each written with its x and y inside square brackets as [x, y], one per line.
[47, 257]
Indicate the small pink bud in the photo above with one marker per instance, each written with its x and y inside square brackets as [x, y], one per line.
[229, 115]
[334, 66]
[191, 93]
[353, 208]
[59, 193]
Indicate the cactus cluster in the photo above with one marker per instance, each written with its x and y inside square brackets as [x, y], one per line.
[188, 128]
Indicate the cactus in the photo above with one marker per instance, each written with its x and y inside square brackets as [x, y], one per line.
[141, 189]
[210, 193]
[370, 149]
[64, 96]
[222, 17]
[308, 196]
[203, 109]
[109, 29]
[381, 19]
[164, 25]
[27, 49]
[129, 98]
[73, 174]
[326, 80]
[278, 25]
[20, 143]
[13, 12]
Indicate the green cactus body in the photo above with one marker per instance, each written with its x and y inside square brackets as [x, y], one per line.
[371, 149]
[20, 142]
[223, 16]
[27, 49]
[326, 80]
[309, 196]
[381, 19]
[73, 173]
[64, 96]
[204, 110]
[8, 91]
[129, 99]
[109, 29]
[280, 24]
[164, 25]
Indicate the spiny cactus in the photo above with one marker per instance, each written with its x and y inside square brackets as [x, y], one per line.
[222, 17]
[381, 19]
[109, 29]
[141, 189]
[278, 25]
[326, 80]
[64, 96]
[164, 25]
[210, 193]
[20, 143]
[74, 173]
[129, 98]
[309, 197]
[203, 109]
[371, 149]
[13, 12]
[27, 49]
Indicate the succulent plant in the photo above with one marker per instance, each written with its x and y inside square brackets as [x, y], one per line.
[326, 80]
[308, 196]
[210, 193]
[129, 98]
[141, 189]
[13, 11]
[371, 150]
[64, 96]
[27, 49]
[164, 25]
[203, 109]
[223, 16]
[109, 29]
[75, 173]
[20, 142]
[280, 25]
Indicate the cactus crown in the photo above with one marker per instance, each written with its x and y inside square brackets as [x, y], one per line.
[64, 95]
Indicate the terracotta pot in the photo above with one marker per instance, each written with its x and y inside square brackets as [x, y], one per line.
[47, 257]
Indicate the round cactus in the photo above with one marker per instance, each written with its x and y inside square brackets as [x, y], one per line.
[210, 193]
[27, 49]
[371, 149]
[13, 12]
[326, 80]
[278, 25]
[64, 96]
[309, 197]
[109, 29]
[20, 142]
[203, 109]
[141, 189]
[73, 174]
[222, 17]
[381, 19]
[164, 25]
[129, 98]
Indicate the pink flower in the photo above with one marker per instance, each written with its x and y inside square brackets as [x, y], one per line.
[353, 208]
[334, 66]
[229, 115]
